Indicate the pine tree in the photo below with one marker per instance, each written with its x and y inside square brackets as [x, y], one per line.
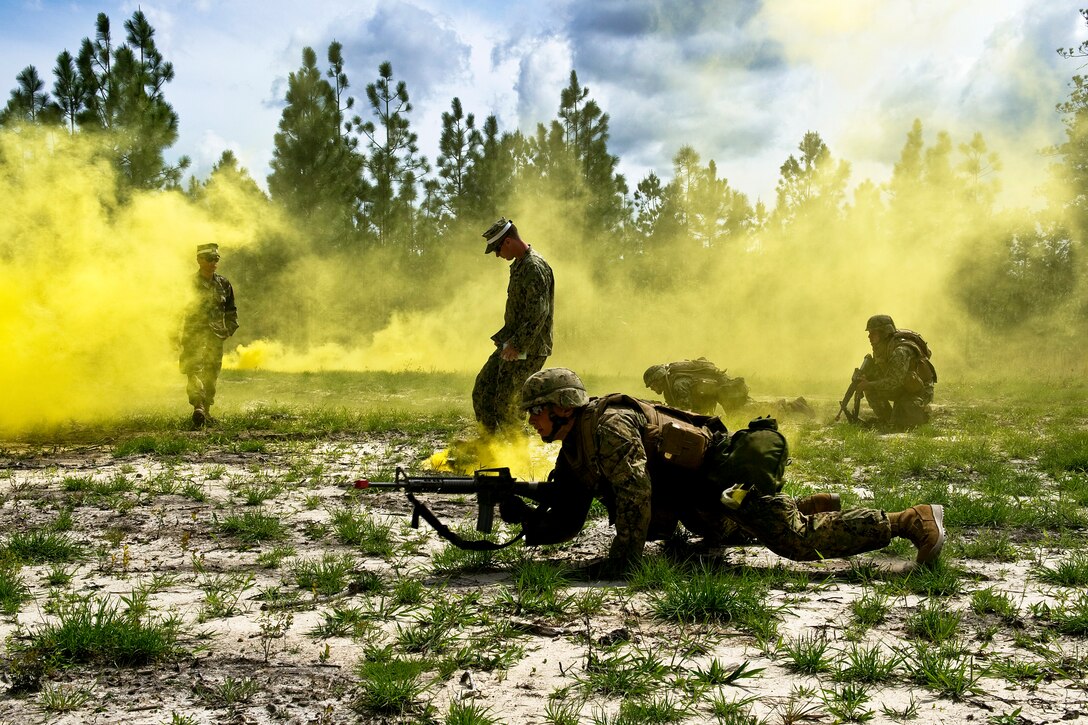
[29, 102]
[394, 162]
[68, 89]
[315, 169]
[459, 150]
[123, 94]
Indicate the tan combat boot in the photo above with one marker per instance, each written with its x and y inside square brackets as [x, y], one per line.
[924, 526]
[819, 503]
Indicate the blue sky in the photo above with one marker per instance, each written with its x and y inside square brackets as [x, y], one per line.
[740, 81]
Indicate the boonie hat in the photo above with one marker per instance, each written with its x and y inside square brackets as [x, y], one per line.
[208, 250]
[496, 233]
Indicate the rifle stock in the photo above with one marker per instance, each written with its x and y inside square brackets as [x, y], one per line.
[490, 486]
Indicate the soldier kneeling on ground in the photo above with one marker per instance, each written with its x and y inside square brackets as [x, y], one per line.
[897, 379]
[654, 467]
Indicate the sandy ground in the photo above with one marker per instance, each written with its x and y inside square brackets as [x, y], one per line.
[306, 679]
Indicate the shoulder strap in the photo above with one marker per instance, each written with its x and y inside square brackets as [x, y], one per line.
[420, 510]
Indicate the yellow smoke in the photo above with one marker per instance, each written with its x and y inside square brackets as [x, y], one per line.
[91, 289]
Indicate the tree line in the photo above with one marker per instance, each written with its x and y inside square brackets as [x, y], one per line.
[352, 179]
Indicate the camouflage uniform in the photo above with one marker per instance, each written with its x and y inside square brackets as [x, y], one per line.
[698, 386]
[897, 396]
[647, 496]
[527, 327]
[212, 318]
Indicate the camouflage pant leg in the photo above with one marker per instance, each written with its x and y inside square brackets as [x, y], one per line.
[202, 361]
[778, 525]
[881, 405]
[497, 391]
[902, 411]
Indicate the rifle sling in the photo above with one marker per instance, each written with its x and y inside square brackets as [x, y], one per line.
[420, 509]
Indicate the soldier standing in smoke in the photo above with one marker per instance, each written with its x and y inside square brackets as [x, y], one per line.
[525, 340]
[211, 318]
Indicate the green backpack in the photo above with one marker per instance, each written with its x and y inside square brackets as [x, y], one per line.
[754, 458]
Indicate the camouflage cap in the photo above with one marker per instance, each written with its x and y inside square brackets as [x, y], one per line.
[558, 386]
[653, 374]
[496, 233]
[883, 323]
[208, 250]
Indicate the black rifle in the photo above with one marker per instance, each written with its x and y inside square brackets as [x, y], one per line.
[853, 392]
[490, 485]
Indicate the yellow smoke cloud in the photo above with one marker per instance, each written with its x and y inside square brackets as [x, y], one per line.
[91, 289]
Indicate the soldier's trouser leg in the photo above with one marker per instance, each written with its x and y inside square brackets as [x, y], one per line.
[194, 388]
[778, 525]
[909, 412]
[212, 367]
[882, 406]
[483, 390]
[496, 394]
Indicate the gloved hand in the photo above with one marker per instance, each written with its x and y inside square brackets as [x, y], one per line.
[513, 510]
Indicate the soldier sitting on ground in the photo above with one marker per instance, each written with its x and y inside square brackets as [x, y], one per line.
[654, 467]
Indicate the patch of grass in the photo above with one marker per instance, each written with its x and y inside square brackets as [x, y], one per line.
[868, 664]
[1070, 618]
[538, 590]
[934, 622]
[228, 693]
[362, 530]
[937, 579]
[166, 443]
[39, 546]
[869, 609]
[271, 559]
[222, 594]
[329, 575]
[990, 601]
[717, 674]
[462, 713]
[1070, 572]
[944, 669]
[725, 598]
[734, 711]
[626, 675]
[989, 544]
[342, 622]
[255, 494]
[390, 686]
[1067, 450]
[98, 631]
[652, 711]
[808, 654]
[847, 703]
[13, 590]
[63, 698]
[253, 527]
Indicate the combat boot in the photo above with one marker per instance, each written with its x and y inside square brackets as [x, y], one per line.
[819, 503]
[198, 417]
[924, 527]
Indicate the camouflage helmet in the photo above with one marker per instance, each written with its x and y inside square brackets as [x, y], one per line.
[881, 323]
[654, 374]
[558, 386]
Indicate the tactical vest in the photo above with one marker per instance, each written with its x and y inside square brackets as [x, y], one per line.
[671, 436]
